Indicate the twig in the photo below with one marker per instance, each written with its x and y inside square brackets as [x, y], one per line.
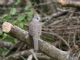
[54, 15]
[59, 38]
[12, 48]
[45, 3]
[33, 53]
[26, 53]
[5, 44]
[30, 57]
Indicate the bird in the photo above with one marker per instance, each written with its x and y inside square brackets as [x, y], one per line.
[35, 28]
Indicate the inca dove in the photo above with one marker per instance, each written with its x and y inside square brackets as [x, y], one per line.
[35, 28]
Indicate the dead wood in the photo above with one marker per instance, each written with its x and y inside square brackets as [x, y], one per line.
[26, 53]
[44, 47]
[73, 3]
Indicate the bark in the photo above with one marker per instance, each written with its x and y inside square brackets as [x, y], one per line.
[70, 2]
[44, 47]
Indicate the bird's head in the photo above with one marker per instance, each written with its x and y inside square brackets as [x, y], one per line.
[36, 17]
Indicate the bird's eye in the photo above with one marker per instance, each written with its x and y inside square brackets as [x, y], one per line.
[37, 18]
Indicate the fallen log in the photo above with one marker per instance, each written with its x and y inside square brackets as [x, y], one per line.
[44, 46]
[69, 2]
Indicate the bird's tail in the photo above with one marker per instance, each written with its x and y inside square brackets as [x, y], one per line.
[36, 47]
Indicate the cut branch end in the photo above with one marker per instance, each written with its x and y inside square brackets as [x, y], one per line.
[6, 27]
[63, 2]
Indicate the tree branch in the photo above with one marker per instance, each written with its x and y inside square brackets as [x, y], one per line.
[44, 47]
[70, 2]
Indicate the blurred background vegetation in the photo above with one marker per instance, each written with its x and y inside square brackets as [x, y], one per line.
[19, 13]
